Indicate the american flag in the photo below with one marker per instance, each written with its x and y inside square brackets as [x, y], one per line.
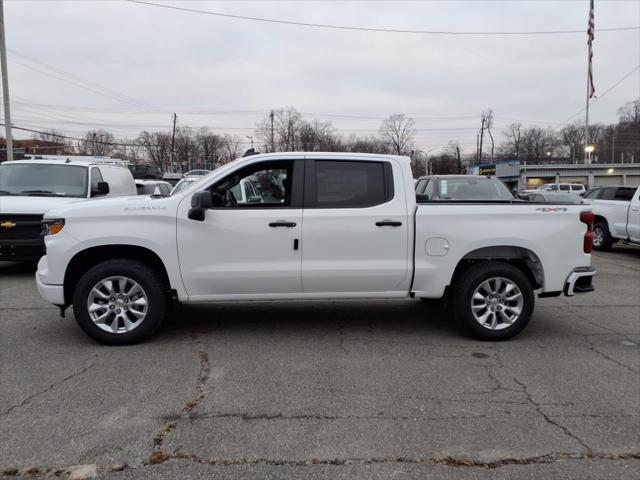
[590, 36]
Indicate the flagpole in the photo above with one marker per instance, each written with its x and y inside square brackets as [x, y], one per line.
[586, 120]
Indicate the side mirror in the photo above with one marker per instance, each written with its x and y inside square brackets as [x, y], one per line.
[200, 202]
[101, 189]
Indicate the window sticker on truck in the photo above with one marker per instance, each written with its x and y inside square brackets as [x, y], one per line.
[444, 187]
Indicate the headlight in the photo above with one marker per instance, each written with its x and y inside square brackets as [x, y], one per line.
[51, 226]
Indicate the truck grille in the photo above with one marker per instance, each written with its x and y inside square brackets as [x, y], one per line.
[19, 227]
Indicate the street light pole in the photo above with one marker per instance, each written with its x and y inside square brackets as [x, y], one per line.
[426, 162]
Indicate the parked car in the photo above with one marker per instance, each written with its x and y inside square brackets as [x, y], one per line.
[172, 178]
[185, 182]
[462, 188]
[554, 197]
[576, 188]
[153, 187]
[197, 173]
[617, 212]
[28, 188]
[349, 227]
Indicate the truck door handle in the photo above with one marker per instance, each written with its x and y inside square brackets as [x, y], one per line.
[388, 223]
[282, 223]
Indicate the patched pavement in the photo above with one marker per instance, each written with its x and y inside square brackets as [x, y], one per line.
[367, 389]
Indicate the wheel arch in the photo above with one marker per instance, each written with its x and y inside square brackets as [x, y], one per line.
[90, 257]
[522, 258]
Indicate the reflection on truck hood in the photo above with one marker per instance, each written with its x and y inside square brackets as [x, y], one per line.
[111, 206]
[33, 205]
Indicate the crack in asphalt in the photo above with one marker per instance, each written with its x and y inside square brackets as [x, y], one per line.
[280, 416]
[448, 460]
[593, 348]
[548, 419]
[199, 395]
[28, 399]
[161, 457]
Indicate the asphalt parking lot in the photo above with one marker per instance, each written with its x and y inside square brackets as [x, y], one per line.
[326, 390]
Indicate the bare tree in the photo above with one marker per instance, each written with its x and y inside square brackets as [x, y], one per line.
[287, 123]
[630, 112]
[573, 138]
[454, 150]
[98, 142]
[317, 136]
[210, 147]
[157, 146]
[51, 135]
[232, 148]
[512, 147]
[398, 132]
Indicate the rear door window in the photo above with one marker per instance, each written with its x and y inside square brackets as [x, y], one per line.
[352, 184]
[564, 188]
[625, 194]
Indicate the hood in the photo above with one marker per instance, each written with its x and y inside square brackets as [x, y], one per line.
[112, 206]
[33, 205]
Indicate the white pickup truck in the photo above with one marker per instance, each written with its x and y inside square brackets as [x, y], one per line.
[341, 226]
[617, 215]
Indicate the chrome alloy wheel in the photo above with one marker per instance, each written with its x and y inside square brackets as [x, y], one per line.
[497, 303]
[598, 236]
[117, 304]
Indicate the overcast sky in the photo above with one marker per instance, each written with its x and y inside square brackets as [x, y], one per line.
[196, 65]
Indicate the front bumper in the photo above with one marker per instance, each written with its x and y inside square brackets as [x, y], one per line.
[50, 293]
[579, 281]
[15, 249]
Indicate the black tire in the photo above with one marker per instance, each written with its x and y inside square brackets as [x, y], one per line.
[601, 231]
[146, 277]
[465, 287]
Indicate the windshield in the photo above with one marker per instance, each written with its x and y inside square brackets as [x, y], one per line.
[473, 189]
[44, 180]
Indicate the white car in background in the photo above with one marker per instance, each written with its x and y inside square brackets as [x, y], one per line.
[28, 188]
[576, 188]
[153, 187]
[617, 211]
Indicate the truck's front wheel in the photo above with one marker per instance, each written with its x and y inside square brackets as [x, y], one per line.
[493, 300]
[119, 302]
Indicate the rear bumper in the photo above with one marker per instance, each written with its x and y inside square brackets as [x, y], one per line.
[29, 249]
[580, 281]
[50, 293]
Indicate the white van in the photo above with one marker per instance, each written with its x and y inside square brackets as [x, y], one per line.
[28, 188]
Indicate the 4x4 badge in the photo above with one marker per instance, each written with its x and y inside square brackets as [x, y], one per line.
[7, 224]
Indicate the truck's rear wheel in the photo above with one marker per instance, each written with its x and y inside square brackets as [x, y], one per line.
[493, 300]
[119, 302]
[602, 239]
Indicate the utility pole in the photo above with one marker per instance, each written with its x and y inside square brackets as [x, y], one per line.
[5, 84]
[273, 143]
[173, 142]
[481, 137]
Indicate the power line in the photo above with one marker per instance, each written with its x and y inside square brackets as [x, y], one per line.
[602, 95]
[115, 144]
[78, 81]
[372, 29]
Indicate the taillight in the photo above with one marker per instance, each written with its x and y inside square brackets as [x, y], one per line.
[588, 218]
